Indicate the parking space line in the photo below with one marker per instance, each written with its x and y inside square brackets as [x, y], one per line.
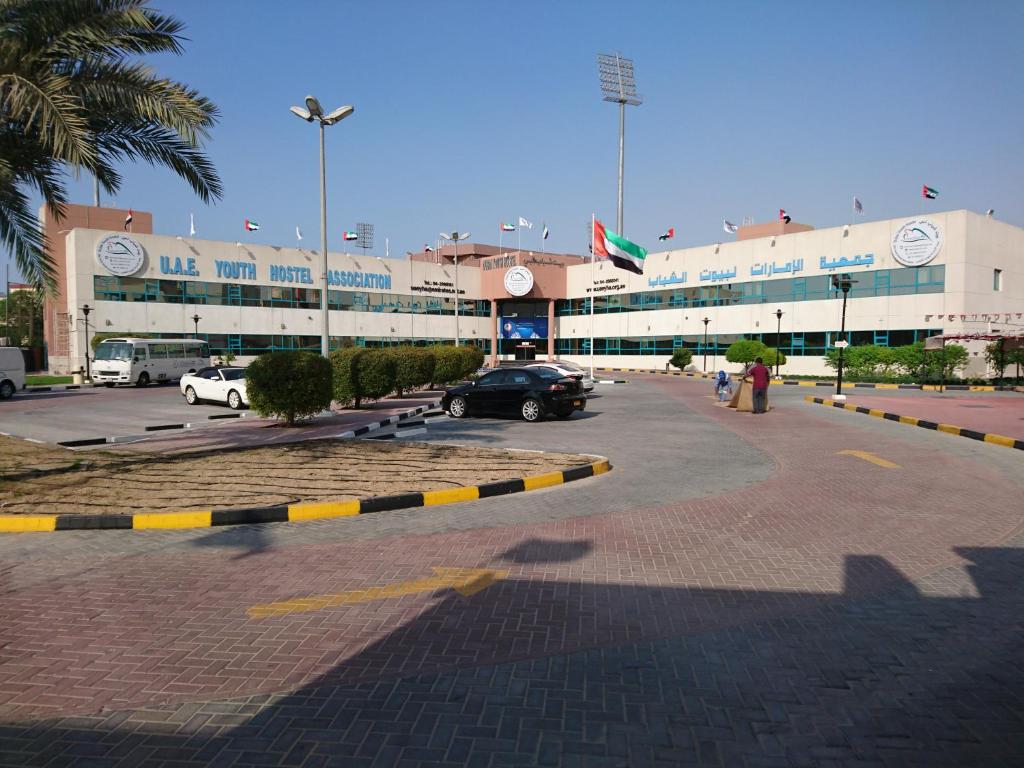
[872, 457]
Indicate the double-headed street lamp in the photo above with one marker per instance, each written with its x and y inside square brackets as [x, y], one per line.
[314, 111]
[195, 319]
[454, 236]
[842, 283]
[706, 321]
[778, 334]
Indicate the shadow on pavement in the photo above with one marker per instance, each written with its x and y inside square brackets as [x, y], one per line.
[547, 551]
[553, 672]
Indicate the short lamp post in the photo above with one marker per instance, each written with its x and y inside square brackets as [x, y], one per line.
[195, 319]
[706, 321]
[778, 335]
[454, 236]
[314, 111]
[86, 309]
[842, 283]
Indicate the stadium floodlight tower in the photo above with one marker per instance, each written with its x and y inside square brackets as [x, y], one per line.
[364, 236]
[618, 85]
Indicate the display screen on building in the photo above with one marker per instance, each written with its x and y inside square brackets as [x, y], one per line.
[524, 327]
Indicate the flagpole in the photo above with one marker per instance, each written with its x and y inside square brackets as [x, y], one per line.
[542, 226]
[592, 255]
[501, 237]
[519, 238]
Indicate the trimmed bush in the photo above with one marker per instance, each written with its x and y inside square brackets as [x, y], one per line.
[414, 368]
[681, 357]
[472, 358]
[449, 363]
[769, 355]
[289, 385]
[745, 351]
[343, 365]
[375, 374]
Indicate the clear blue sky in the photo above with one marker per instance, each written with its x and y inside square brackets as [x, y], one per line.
[468, 113]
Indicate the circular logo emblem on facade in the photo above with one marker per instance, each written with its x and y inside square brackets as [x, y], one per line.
[916, 243]
[518, 281]
[120, 255]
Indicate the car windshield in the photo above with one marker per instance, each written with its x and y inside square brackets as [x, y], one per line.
[114, 350]
[233, 374]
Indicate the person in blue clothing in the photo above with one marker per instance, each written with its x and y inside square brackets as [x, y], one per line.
[723, 386]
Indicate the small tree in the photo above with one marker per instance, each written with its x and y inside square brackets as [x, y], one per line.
[948, 360]
[414, 367]
[344, 375]
[998, 357]
[289, 385]
[770, 354]
[745, 351]
[681, 357]
[375, 374]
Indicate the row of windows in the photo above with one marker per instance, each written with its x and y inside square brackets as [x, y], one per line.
[811, 344]
[883, 282]
[252, 344]
[236, 295]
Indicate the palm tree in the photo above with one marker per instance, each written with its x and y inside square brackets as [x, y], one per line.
[72, 100]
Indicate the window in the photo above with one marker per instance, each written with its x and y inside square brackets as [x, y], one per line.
[997, 279]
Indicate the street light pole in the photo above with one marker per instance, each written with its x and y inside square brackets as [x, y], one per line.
[314, 111]
[455, 236]
[778, 331]
[195, 319]
[706, 321]
[86, 309]
[843, 283]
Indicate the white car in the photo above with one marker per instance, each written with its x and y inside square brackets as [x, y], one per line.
[217, 384]
[571, 370]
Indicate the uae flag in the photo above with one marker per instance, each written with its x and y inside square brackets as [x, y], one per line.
[128, 219]
[251, 226]
[783, 216]
[928, 192]
[507, 227]
[546, 232]
[623, 253]
[668, 235]
[351, 236]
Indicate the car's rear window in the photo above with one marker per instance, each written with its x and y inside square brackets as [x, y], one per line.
[546, 373]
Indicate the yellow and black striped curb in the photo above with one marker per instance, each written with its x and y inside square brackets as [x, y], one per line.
[799, 383]
[290, 513]
[986, 437]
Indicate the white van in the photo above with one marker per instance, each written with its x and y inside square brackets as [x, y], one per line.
[12, 372]
[141, 361]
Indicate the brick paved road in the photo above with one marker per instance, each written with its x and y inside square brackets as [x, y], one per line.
[734, 593]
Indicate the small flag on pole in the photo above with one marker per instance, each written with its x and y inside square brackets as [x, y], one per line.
[622, 253]
[783, 216]
[668, 235]
[351, 235]
[298, 234]
[191, 225]
[857, 207]
[524, 223]
[546, 233]
[128, 219]
[928, 192]
[507, 227]
[251, 226]
[729, 227]
[427, 248]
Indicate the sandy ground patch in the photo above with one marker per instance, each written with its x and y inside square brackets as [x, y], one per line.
[37, 479]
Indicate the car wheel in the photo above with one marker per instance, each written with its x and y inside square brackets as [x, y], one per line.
[531, 410]
[235, 400]
[458, 407]
[190, 396]
[6, 390]
[143, 380]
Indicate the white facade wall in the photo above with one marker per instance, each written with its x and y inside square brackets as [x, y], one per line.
[972, 247]
[433, 280]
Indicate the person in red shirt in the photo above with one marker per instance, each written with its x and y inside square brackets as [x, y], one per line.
[759, 376]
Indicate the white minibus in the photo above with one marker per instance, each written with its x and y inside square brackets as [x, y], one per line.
[12, 371]
[140, 361]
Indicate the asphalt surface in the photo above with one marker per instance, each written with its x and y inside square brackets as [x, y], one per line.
[809, 587]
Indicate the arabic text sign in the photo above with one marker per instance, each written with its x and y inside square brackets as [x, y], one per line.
[845, 262]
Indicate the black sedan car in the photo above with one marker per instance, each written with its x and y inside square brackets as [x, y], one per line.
[532, 393]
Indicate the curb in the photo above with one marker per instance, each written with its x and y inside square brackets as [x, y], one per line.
[290, 513]
[951, 429]
[86, 441]
[799, 383]
[389, 421]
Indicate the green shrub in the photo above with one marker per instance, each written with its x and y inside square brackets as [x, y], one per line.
[681, 357]
[745, 351]
[472, 358]
[448, 363]
[375, 374]
[414, 368]
[343, 366]
[769, 355]
[289, 385]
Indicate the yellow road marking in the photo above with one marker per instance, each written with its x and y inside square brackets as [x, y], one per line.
[873, 458]
[542, 481]
[600, 467]
[949, 428]
[323, 510]
[172, 520]
[1000, 440]
[27, 523]
[450, 495]
[465, 581]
